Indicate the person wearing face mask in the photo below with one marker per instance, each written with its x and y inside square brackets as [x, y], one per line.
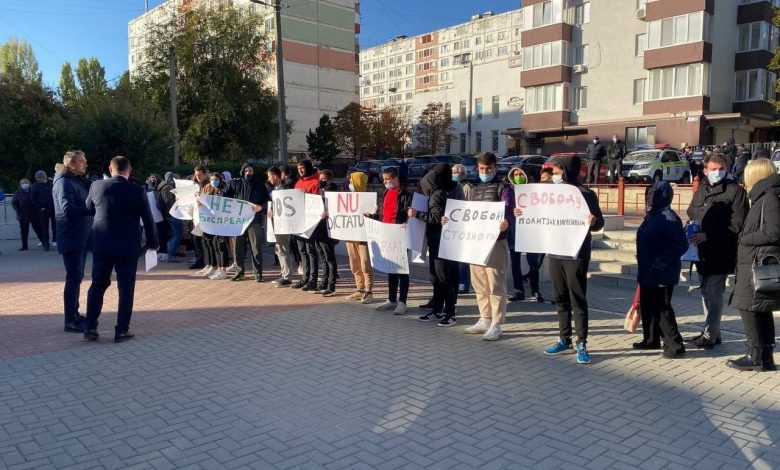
[250, 188]
[595, 152]
[720, 206]
[359, 260]
[325, 245]
[27, 214]
[217, 247]
[569, 275]
[462, 192]
[44, 204]
[309, 182]
[615, 154]
[517, 176]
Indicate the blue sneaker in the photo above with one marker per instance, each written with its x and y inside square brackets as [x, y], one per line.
[558, 348]
[582, 354]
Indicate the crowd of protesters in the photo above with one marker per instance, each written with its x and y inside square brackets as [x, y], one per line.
[736, 210]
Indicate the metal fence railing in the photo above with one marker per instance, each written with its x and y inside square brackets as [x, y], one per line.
[7, 214]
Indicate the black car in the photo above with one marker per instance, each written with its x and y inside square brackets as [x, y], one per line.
[420, 165]
[531, 165]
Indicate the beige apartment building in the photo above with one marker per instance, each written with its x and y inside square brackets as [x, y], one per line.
[320, 54]
[655, 71]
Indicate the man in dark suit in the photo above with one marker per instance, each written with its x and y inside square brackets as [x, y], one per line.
[115, 241]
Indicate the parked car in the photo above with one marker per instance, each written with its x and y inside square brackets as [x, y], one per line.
[531, 164]
[372, 168]
[776, 159]
[470, 164]
[420, 165]
[655, 165]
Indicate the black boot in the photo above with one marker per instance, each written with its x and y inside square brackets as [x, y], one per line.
[768, 358]
[750, 361]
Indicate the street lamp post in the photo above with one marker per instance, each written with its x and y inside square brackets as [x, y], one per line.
[282, 114]
[466, 59]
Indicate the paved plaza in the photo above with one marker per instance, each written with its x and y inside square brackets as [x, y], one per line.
[241, 375]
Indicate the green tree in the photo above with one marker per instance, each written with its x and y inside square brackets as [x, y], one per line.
[69, 92]
[322, 141]
[351, 127]
[18, 62]
[774, 64]
[389, 130]
[434, 128]
[225, 111]
[92, 77]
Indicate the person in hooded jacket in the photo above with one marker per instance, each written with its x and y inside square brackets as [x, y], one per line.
[729, 151]
[660, 242]
[250, 188]
[217, 246]
[760, 238]
[719, 205]
[27, 214]
[743, 157]
[569, 275]
[464, 269]
[325, 245]
[74, 221]
[309, 182]
[435, 185]
[153, 182]
[518, 176]
[43, 200]
[359, 260]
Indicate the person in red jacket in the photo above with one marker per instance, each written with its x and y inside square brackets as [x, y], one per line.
[309, 182]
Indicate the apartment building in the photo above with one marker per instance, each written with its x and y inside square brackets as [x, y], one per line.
[650, 71]
[320, 54]
[472, 68]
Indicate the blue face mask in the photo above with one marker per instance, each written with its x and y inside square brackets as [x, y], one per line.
[716, 177]
[486, 177]
[215, 184]
[456, 178]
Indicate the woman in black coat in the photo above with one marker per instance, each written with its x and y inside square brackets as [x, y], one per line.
[760, 237]
[27, 214]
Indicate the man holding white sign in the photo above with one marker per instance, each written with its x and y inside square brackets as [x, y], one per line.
[568, 218]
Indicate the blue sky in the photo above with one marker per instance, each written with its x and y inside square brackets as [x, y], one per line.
[61, 30]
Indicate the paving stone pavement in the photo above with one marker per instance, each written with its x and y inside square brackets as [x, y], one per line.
[241, 375]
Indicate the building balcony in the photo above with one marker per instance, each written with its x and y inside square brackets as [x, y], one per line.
[677, 106]
[752, 60]
[541, 122]
[753, 12]
[553, 32]
[660, 9]
[755, 108]
[545, 76]
[678, 55]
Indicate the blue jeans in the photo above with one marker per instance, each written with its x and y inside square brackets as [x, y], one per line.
[177, 233]
[74, 273]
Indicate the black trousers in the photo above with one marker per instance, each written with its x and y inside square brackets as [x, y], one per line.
[759, 328]
[309, 258]
[102, 267]
[570, 287]
[217, 251]
[74, 262]
[444, 274]
[24, 229]
[535, 261]
[658, 319]
[594, 167]
[254, 236]
[197, 243]
[47, 220]
[615, 166]
[327, 256]
[394, 281]
[163, 235]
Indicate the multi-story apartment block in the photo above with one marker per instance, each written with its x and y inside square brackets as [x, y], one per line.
[472, 68]
[320, 54]
[650, 71]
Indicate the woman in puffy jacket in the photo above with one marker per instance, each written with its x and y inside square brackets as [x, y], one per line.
[760, 238]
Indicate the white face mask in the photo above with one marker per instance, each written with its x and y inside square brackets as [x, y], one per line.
[352, 187]
[614, 139]
[389, 185]
[557, 179]
[716, 176]
[595, 141]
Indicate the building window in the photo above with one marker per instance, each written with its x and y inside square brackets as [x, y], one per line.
[581, 55]
[409, 95]
[409, 83]
[478, 141]
[444, 76]
[445, 62]
[410, 56]
[546, 55]
[678, 30]
[503, 35]
[636, 136]
[494, 141]
[495, 109]
[580, 98]
[478, 108]
[462, 111]
[409, 69]
[676, 82]
[448, 109]
[445, 48]
[426, 39]
[640, 42]
[544, 13]
[544, 98]
[489, 38]
[754, 85]
[462, 143]
[503, 50]
[639, 90]
[478, 40]
[582, 13]
[757, 36]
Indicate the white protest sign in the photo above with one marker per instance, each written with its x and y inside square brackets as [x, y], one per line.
[554, 220]
[156, 214]
[471, 230]
[288, 211]
[345, 214]
[387, 247]
[313, 208]
[150, 260]
[270, 236]
[186, 193]
[416, 229]
[223, 216]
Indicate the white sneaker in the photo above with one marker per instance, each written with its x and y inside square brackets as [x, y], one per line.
[367, 298]
[210, 272]
[162, 257]
[219, 275]
[232, 269]
[300, 270]
[478, 328]
[54, 244]
[203, 271]
[39, 244]
[400, 309]
[493, 334]
[387, 305]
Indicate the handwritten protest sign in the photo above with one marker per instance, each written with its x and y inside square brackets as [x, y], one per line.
[471, 230]
[554, 220]
[186, 193]
[156, 214]
[387, 247]
[415, 232]
[312, 211]
[345, 214]
[223, 216]
[288, 211]
[270, 235]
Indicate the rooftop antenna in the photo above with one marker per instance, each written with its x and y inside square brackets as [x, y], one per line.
[146, 6]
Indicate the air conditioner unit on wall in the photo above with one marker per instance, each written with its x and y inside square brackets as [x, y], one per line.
[579, 68]
[641, 13]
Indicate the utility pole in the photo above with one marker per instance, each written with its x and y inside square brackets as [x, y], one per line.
[146, 6]
[280, 84]
[174, 119]
[471, 96]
